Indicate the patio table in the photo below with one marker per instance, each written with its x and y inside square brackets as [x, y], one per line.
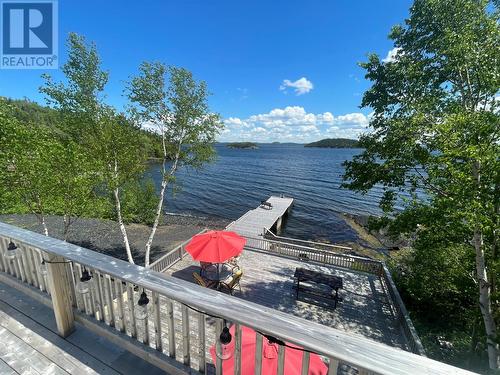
[316, 280]
[217, 272]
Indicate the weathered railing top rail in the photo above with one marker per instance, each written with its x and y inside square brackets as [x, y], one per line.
[353, 349]
[252, 240]
[313, 243]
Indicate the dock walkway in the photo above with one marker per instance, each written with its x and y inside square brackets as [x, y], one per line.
[256, 221]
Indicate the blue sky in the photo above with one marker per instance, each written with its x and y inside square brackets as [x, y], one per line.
[278, 70]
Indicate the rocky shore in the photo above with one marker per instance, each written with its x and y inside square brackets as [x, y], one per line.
[104, 236]
[375, 244]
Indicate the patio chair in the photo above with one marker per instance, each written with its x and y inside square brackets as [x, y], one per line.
[233, 263]
[235, 282]
[206, 267]
[201, 281]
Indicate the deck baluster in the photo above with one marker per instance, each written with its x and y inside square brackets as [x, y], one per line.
[157, 320]
[34, 276]
[131, 316]
[99, 294]
[237, 349]
[41, 278]
[218, 347]
[258, 354]
[77, 272]
[281, 360]
[22, 264]
[108, 292]
[119, 303]
[305, 363]
[186, 344]
[171, 329]
[201, 343]
[333, 366]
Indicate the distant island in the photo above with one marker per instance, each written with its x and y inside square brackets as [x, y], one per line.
[334, 143]
[244, 145]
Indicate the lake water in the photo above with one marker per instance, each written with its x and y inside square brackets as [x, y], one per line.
[240, 179]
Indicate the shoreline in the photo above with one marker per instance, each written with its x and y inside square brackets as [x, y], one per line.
[104, 236]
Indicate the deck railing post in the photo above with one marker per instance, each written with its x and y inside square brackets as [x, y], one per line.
[60, 284]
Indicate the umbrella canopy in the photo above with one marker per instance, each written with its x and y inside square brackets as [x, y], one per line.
[293, 357]
[215, 246]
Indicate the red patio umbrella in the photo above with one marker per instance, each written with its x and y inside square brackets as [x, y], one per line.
[215, 246]
[293, 357]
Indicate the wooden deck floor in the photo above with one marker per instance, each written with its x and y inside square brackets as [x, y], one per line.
[253, 222]
[29, 344]
[268, 281]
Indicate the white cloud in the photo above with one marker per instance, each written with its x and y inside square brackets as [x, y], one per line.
[294, 124]
[353, 119]
[300, 86]
[392, 55]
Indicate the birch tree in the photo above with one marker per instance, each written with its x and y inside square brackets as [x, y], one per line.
[24, 165]
[436, 127]
[172, 101]
[47, 173]
[122, 160]
[78, 100]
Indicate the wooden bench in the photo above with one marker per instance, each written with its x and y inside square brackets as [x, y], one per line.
[317, 285]
[266, 205]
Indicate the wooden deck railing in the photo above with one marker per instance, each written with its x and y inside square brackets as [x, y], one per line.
[317, 245]
[173, 256]
[308, 253]
[182, 320]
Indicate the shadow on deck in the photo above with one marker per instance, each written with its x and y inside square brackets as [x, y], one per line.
[268, 281]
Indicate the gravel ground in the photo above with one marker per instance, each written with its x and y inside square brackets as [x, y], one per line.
[105, 236]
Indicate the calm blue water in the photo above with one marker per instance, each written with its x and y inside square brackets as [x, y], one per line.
[240, 179]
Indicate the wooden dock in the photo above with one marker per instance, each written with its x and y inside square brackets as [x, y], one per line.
[255, 222]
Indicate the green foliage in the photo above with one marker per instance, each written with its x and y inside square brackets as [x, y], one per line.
[242, 145]
[114, 143]
[70, 159]
[334, 143]
[173, 100]
[436, 279]
[139, 200]
[436, 129]
[82, 94]
[44, 173]
[28, 112]
[377, 223]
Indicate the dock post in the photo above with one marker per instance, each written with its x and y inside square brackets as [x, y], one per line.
[278, 224]
[60, 283]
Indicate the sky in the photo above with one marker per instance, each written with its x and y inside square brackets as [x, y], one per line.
[278, 70]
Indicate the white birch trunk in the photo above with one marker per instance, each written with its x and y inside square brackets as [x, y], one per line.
[485, 288]
[66, 221]
[41, 217]
[122, 226]
[44, 225]
[164, 184]
[485, 303]
[156, 222]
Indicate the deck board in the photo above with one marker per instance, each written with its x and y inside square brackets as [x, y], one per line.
[30, 344]
[268, 281]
